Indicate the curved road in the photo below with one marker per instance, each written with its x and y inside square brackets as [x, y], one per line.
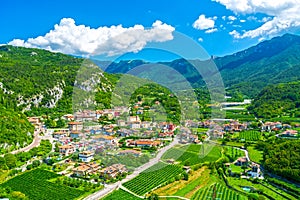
[36, 142]
[109, 188]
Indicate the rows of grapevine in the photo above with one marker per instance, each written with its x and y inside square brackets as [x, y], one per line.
[204, 155]
[119, 195]
[250, 135]
[194, 154]
[194, 148]
[35, 186]
[173, 153]
[233, 153]
[155, 167]
[152, 178]
[217, 191]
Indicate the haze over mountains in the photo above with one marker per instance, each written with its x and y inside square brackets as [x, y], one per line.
[248, 71]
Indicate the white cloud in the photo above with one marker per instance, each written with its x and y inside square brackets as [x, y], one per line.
[285, 15]
[232, 18]
[211, 30]
[69, 38]
[200, 39]
[203, 23]
[235, 34]
[242, 21]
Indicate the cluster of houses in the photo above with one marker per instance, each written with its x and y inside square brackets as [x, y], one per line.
[216, 129]
[254, 171]
[87, 169]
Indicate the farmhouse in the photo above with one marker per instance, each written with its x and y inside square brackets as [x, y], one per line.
[268, 126]
[255, 171]
[241, 161]
[289, 133]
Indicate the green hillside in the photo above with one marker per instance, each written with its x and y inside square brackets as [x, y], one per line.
[15, 130]
[278, 100]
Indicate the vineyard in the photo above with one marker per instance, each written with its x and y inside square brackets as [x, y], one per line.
[120, 194]
[152, 177]
[35, 186]
[217, 191]
[233, 153]
[250, 135]
[194, 154]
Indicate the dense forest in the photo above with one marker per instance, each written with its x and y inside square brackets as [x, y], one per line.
[283, 158]
[15, 130]
[278, 100]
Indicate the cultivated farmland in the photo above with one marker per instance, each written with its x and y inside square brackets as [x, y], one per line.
[250, 135]
[35, 186]
[217, 191]
[152, 178]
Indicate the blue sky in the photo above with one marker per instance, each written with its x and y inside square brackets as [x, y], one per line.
[116, 27]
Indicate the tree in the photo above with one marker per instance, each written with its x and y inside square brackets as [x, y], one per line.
[60, 123]
[10, 160]
[153, 197]
[185, 176]
[3, 164]
[36, 163]
[18, 195]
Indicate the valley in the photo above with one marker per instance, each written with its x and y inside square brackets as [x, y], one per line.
[66, 135]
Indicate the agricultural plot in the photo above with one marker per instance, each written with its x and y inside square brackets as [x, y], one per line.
[255, 155]
[35, 186]
[152, 178]
[194, 154]
[217, 191]
[250, 135]
[233, 153]
[119, 195]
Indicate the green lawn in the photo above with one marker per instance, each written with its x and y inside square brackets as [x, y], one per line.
[236, 169]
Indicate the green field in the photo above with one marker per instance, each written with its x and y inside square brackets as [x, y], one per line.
[254, 154]
[233, 153]
[119, 195]
[250, 135]
[152, 178]
[266, 188]
[194, 153]
[35, 185]
[217, 191]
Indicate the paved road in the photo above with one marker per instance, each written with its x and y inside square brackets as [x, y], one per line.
[36, 142]
[109, 188]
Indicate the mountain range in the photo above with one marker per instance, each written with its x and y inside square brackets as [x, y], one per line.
[39, 78]
[248, 71]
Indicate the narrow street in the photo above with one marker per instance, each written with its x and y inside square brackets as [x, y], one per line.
[109, 188]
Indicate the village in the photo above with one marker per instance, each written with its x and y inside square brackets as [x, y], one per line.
[92, 150]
